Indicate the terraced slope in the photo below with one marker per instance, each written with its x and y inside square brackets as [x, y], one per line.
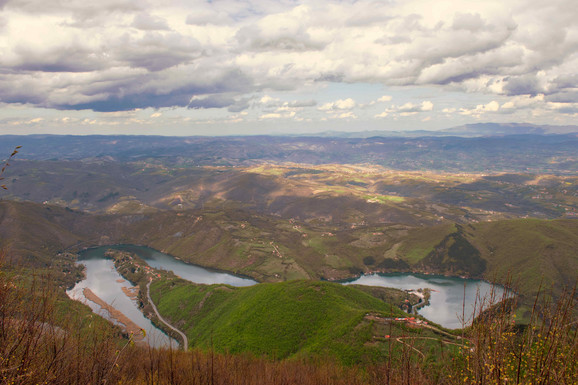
[272, 249]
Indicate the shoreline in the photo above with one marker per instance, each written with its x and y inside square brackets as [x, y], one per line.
[129, 326]
[119, 247]
[345, 278]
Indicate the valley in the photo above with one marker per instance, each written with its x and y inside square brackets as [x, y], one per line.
[294, 227]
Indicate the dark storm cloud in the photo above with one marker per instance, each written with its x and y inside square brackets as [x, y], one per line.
[134, 94]
[131, 102]
[20, 95]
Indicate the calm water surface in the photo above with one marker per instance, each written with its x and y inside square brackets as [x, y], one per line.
[184, 270]
[449, 297]
[103, 279]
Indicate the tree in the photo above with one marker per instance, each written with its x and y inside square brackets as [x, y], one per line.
[7, 163]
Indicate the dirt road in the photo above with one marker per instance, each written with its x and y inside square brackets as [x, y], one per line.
[185, 343]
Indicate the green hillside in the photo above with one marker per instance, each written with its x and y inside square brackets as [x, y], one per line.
[280, 320]
[534, 252]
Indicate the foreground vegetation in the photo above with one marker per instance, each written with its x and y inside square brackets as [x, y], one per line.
[43, 342]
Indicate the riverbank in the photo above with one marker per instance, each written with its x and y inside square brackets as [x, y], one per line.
[134, 269]
[129, 326]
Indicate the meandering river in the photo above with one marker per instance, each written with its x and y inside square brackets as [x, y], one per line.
[104, 281]
[452, 299]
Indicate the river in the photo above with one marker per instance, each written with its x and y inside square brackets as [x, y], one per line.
[104, 281]
[449, 297]
[192, 273]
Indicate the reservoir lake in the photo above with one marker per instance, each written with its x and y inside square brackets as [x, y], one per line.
[452, 299]
[449, 295]
[104, 281]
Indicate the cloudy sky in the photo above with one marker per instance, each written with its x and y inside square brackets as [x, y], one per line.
[201, 67]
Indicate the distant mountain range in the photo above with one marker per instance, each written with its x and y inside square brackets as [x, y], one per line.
[472, 148]
[466, 131]
[494, 129]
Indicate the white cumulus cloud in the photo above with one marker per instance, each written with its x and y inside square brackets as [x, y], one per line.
[341, 104]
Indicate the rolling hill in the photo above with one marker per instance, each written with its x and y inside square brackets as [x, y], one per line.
[272, 249]
[282, 320]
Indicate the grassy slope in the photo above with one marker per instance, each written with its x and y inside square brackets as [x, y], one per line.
[35, 228]
[532, 250]
[420, 242]
[299, 318]
[279, 320]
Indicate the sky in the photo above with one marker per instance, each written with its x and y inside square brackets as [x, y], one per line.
[234, 67]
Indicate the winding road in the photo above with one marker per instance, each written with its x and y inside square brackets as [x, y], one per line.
[185, 344]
